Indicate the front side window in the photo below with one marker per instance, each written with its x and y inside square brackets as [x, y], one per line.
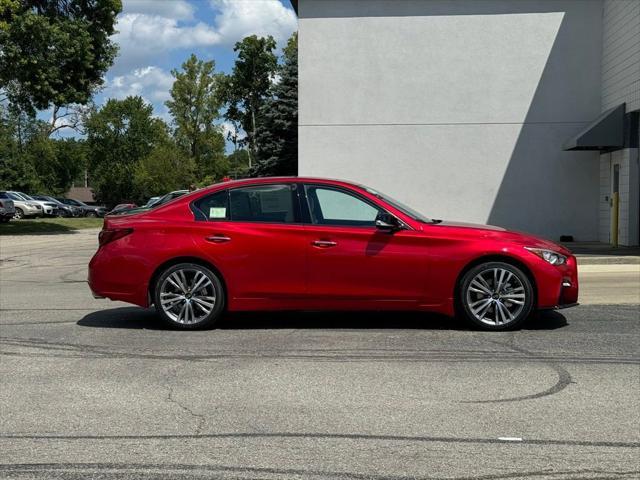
[263, 203]
[330, 206]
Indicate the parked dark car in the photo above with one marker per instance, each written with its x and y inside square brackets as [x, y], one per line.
[121, 208]
[61, 210]
[155, 202]
[7, 209]
[85, 210]
[166, 198]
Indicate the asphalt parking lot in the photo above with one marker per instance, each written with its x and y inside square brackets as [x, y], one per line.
[97, 389]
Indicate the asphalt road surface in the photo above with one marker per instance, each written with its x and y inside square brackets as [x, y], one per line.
[92, 389]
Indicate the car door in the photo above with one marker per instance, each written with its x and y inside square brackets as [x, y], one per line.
[349, 259]
[253, 234]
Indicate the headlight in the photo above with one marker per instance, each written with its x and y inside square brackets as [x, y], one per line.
[554, 258]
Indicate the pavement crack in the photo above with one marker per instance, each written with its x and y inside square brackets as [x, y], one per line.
[170, 398]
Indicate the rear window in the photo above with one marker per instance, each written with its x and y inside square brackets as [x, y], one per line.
[212, 207]
[263, 203]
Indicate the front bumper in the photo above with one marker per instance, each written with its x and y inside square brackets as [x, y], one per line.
[32, 211]
[557, 285]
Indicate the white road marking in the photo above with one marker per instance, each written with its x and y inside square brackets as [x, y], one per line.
[510, 439]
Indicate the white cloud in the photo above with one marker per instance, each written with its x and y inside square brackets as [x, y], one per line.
[176, 9]
[141, 36]
[240, 18]
[151, 83]
[149, 29]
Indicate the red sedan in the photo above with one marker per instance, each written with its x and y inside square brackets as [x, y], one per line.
[316, 244]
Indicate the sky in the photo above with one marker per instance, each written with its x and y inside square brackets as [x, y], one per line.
[156, 36]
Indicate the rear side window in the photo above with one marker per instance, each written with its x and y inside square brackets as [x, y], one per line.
[264, 203]
[212, 207]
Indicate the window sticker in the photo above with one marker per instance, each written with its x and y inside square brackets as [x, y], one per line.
[218, 212]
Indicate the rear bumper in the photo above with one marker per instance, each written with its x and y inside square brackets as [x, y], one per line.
[106, 279]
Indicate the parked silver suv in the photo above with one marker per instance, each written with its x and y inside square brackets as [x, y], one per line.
[7, 210]
[24, 208]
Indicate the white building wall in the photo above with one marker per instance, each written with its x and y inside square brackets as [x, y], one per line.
[621, 54]
[458, 108]
[620, 84]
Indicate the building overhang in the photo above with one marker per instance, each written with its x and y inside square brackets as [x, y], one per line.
[605, 133]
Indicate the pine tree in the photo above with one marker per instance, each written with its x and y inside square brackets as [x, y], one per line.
[277, 134]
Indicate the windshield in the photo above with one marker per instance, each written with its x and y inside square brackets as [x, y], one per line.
[400, 206]
[24, 195]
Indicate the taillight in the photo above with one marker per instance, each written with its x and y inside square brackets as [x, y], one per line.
[112, 234]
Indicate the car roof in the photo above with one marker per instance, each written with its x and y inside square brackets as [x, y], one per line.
[282, 179]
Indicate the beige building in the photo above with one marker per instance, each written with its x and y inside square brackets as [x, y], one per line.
[517, 113]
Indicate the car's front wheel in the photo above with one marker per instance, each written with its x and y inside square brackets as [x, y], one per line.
[19, 214]
[91, 214]
[496, 296]
[189, 296]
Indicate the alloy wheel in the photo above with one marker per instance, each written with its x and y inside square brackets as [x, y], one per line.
[496, 296]
[187, 296]
[19, 214]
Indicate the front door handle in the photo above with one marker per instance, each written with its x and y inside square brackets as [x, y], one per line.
[323, 243]
[217, 238]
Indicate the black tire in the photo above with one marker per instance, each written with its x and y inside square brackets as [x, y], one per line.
[211, 289]
[91, 214]
[19, 214]
[503, 308]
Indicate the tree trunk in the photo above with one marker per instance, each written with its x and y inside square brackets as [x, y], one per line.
[253, 133]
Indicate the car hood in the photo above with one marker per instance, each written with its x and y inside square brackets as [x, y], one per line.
[500, 233]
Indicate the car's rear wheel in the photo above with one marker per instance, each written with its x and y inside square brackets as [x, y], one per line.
[189, 296]
[496, 296]
[92, 214]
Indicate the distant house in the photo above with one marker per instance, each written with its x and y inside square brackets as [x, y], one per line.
[522, 114]
[84, 194]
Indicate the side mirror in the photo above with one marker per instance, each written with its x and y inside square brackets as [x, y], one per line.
[387, 222]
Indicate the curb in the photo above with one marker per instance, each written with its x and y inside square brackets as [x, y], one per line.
[608, 260]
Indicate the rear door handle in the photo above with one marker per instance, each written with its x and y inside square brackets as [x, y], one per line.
[217, 238]
[324, 243]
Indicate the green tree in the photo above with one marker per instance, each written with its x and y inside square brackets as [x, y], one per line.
[57, 162]
[165, 169]
[31, 161]
[16, 167]
[195, 106]
[238, 161]
[246, 89]
[119, 136]
[277, 135]
[55, 52]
